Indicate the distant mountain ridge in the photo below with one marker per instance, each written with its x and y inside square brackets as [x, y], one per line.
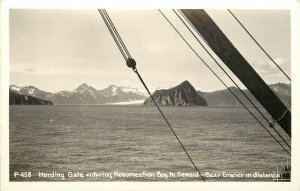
[225, 98]
[222, 97]
[182, 95]
[83, 94]
[19, 99]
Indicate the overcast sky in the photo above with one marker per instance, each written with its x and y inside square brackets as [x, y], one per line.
[60, 49]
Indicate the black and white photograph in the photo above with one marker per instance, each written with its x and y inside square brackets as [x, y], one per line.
[150, 95]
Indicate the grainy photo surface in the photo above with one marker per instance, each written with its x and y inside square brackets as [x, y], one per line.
[79, 97]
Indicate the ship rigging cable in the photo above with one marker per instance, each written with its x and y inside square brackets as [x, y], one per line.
[131, 63]
[114, 33]
[271, 124]
[223, 82]
[258, 44]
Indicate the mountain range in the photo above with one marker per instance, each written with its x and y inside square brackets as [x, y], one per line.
[183, 94]
[225, 98]
[83, 94]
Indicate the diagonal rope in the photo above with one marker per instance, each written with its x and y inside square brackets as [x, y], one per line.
[132, 64]
[258, 44]
[116, 32]
[247, 97]
[112, 33]
[223, 82]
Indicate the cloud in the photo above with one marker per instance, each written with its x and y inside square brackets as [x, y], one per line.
[30, 69]
[60, 60]
[266, 66]
[281, 61]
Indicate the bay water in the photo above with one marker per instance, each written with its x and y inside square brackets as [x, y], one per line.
[133, 143]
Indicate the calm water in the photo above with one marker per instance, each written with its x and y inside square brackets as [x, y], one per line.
[134, 139]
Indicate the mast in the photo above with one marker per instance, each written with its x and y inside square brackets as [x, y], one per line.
[226, 51]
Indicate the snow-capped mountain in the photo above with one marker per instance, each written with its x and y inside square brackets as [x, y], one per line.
[113, 94]
[83, 94]
[15, 88]
[31, 91]
[111, 90]
[142, 92]
[134, 90]
[64, 93]
[85, 90]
